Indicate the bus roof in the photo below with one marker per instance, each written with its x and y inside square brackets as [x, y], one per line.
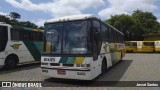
[26, 28]
[20, 27]
[71, 17]
[77, 17]
[139, 41]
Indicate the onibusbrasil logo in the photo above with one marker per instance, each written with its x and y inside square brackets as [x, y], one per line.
[21, 84]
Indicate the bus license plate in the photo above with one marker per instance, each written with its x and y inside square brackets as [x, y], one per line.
[45, 71]
[62, 72]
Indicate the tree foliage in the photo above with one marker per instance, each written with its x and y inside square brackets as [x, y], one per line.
[14, 15]
[122, 22]
[135, 25]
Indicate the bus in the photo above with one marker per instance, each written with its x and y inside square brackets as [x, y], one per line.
[80, 47]
[130, 46]
[157, 46]
[145, 46]
[19, 45]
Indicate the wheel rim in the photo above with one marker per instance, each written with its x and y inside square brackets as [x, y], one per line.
[11, 63]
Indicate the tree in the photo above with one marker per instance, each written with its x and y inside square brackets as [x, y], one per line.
[14, 15]
[4, 19]
[15, 22]
[28, 24]
[41, 27]
[136, 25]
[123, 23]
[137, 11]
[145, 23]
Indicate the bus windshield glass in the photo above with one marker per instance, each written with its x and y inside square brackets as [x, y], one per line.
[71, 37]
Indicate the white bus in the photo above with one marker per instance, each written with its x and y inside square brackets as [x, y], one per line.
[19, 45]
[157, 46]
[80, 47]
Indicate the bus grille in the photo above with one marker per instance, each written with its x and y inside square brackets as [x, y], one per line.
[69, 65]
[55, 64]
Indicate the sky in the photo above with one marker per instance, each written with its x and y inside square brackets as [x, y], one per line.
[38, 11]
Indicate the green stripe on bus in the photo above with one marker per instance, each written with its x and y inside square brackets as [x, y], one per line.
[39, 46]
[71, 60]
[63, 60]
[33, 50]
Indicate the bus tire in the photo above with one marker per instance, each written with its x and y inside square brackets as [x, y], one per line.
[11, 61]
[131, 51]
[104, 66]
[127, 51]
[121, 55]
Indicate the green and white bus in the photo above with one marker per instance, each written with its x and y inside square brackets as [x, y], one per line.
[19, 45]
[80, 47]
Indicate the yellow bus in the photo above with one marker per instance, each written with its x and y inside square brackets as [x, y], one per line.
[157, 46]
[145, 46]
[131, 46]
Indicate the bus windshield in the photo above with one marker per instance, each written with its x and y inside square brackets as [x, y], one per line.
[71, 37]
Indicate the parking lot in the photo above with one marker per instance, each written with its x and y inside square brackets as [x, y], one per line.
[134, 67]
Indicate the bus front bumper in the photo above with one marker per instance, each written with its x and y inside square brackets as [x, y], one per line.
[68, 73]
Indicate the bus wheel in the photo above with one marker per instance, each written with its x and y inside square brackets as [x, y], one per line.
[121, 55]
[127, 51]
[131, 51]
[104, 66]
[11, 62]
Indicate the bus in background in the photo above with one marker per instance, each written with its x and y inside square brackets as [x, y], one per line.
[19, 45]
[80, 47]
[130, 46]
[145, 46]
[157, 46]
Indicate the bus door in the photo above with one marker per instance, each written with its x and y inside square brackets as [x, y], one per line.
[139, 46]
[148, 46]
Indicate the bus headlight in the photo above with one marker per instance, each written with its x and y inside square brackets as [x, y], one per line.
[78, 65]
[82, 65]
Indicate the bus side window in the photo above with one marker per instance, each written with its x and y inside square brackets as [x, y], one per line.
[111, 37]
[3, 37]
[104, 33]
[25, 35]
[115, 37]
[31, 35]
[14, 34]
[40, 36]
[96, 39]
